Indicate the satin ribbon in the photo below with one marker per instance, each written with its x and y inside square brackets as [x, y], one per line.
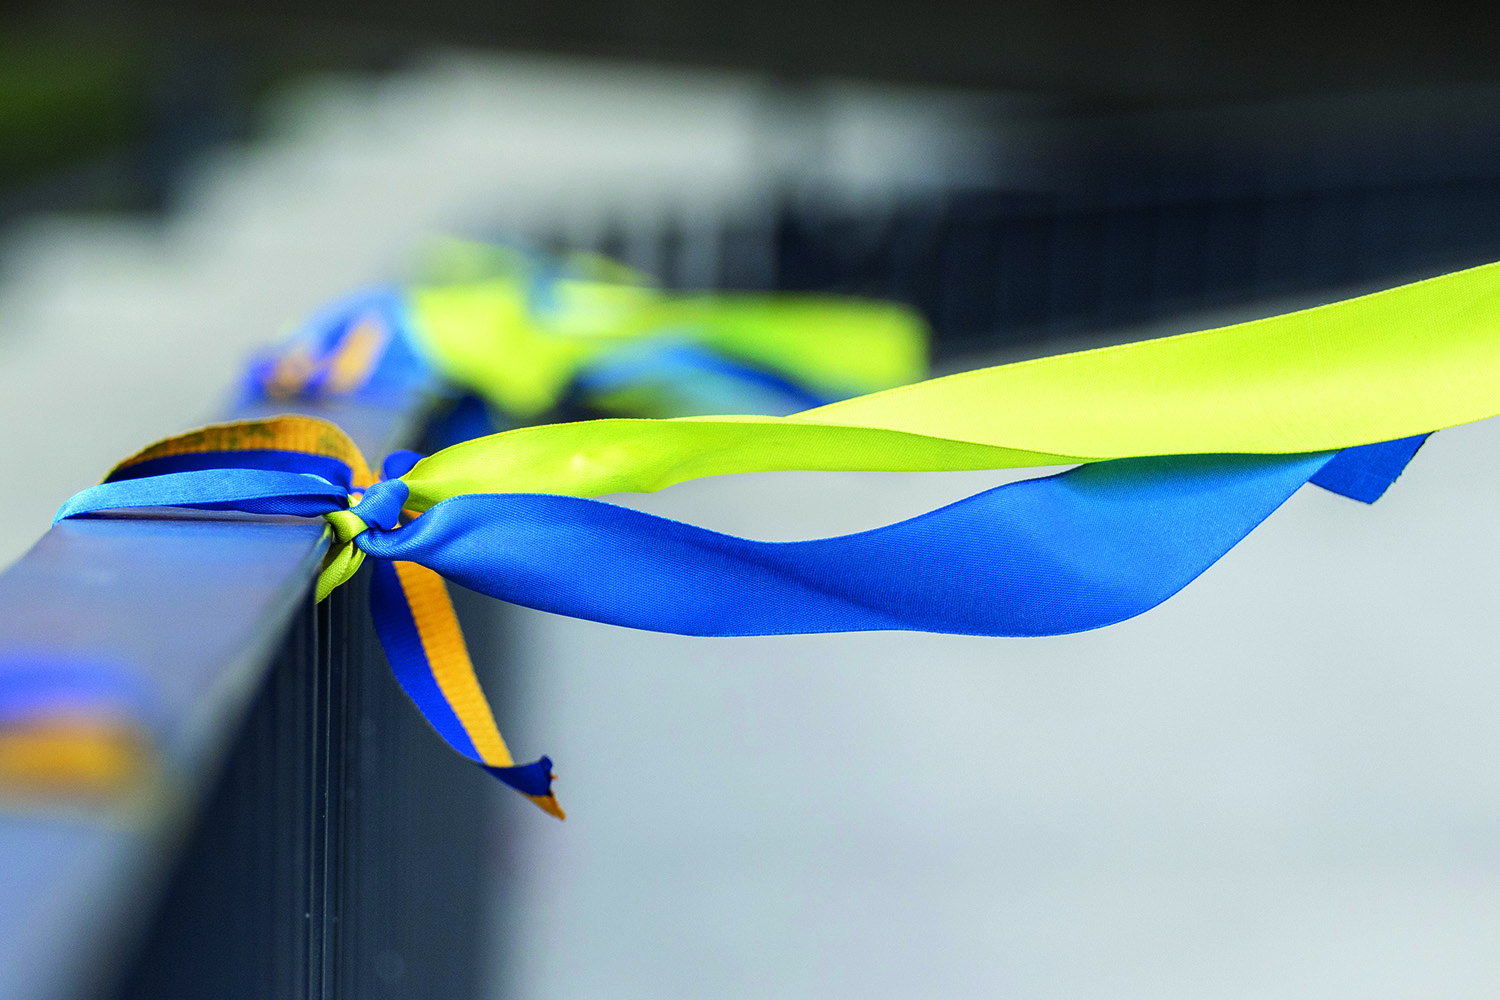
[525, 331]
[1407, 361]
[1193, 441]
[518, 327]
[1064, 553]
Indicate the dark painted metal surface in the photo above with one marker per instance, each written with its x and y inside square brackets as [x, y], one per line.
[340, 847]
[339, 854]
[310, 838]
[997, 268]
[194, 608]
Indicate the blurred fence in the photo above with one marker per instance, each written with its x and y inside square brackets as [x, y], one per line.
[996, 268]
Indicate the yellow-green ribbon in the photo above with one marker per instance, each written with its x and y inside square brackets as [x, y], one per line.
[517, 335]
[1393, 364]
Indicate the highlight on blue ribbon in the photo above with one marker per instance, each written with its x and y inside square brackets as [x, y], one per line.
[669, 377]
[1075, 551]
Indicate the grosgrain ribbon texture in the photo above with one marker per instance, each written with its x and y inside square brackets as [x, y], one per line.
[303, 466]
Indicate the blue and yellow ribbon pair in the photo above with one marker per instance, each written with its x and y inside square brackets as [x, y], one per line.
[526, 332]
[1182, 446]
[308, 467]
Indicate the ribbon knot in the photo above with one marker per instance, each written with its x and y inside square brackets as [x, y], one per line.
[379, 507]
[306, 467]
[381, 504]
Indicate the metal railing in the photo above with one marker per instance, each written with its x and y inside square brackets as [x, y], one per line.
[310, 838]
[296, 786]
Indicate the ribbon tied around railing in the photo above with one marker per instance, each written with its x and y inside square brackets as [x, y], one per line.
[302, 466]
[1182, 446]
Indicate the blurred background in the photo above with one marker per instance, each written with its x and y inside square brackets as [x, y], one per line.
[1280, 783]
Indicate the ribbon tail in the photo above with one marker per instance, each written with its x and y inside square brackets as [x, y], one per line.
[420, 633]
[1365, 472]
[1076, 551]
[532, 780]
[342, 563]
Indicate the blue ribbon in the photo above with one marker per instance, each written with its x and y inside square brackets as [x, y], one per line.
[1086, 548]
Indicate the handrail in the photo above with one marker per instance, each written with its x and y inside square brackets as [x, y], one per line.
[231, 586]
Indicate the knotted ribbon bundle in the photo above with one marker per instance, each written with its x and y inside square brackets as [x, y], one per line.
[525, 331]
[1183, 445]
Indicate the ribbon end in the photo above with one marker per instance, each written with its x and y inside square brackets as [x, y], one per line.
[532, 780]
[1365, 472]
[548, 804]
